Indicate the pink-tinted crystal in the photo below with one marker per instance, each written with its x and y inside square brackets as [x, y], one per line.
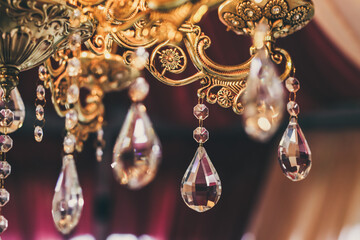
[201, 135]
[294, 154]
[201, 185]
[201, 111]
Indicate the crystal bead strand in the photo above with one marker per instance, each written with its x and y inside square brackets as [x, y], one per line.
[294, 154]
[201, 185]
[40, 103]
[6, 143]
[100, 144]
[68, 200]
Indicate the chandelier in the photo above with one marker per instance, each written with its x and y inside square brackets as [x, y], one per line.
[87, 48]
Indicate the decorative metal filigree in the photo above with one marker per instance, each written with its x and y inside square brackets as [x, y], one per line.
[249, 11]
[283, 16]
[276, 9]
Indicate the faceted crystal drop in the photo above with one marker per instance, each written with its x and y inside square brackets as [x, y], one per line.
[5, 169]
[293, 108]
[39, 112]
[294, 154]
[38, 133]
[71, 119]
[6, 117]
[201, 185]
[4, 197]
[68, 199]
[263, 100]
[75, 41]
[40, 92]
[137, 151]
[16, 105]
[6, 143]
[3, 224]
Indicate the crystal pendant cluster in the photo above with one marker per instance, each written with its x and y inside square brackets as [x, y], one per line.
[40, 103]
[137, 151]
[294, 154]
[201, 185]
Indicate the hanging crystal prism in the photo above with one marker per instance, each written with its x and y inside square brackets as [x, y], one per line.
[201, 185]
[16, 105]
[263, 100]
[294, 154]
[68, 198]
[137, 151]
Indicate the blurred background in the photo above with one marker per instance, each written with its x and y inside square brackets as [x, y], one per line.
[257, 201]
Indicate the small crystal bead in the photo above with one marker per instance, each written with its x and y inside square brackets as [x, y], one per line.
[3, 224]
[69, 143]
[292, 84]
[6, 143]
[5, 169]
[201, 111]
[39, 112]
[6, 117]
[38, 133]
[71, 119]
[75, 18]
[201, 135]
[73, 93]
[4, 197]
[74, 67]
[40, 92]
[99, 154]
[43, 73]
[74, 42]
[293, 108]
[139, 90]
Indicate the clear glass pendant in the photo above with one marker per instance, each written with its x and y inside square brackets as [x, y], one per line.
[201, 185]
[137, 151]
[68, 199]
[263, 100]
[294, 154]
[16, 105]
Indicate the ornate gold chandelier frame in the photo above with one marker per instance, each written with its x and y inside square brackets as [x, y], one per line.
[114, 31]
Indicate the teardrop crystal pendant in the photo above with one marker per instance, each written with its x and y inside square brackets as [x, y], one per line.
[137, 151]
[294, 154]
[263, 100]
[16, 105]
[68, 199]
[201, 185]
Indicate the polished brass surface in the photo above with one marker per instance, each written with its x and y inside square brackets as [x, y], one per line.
[283, 16]
[30, 31]
[99, 75]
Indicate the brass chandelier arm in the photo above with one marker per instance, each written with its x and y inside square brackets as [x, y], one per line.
[196, 44]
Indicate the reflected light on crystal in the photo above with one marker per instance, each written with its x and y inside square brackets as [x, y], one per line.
[248, 236]
[350, 233]
[121, 237]
[83, 237]
[139, 132]
[264, 124]
[16, 105]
